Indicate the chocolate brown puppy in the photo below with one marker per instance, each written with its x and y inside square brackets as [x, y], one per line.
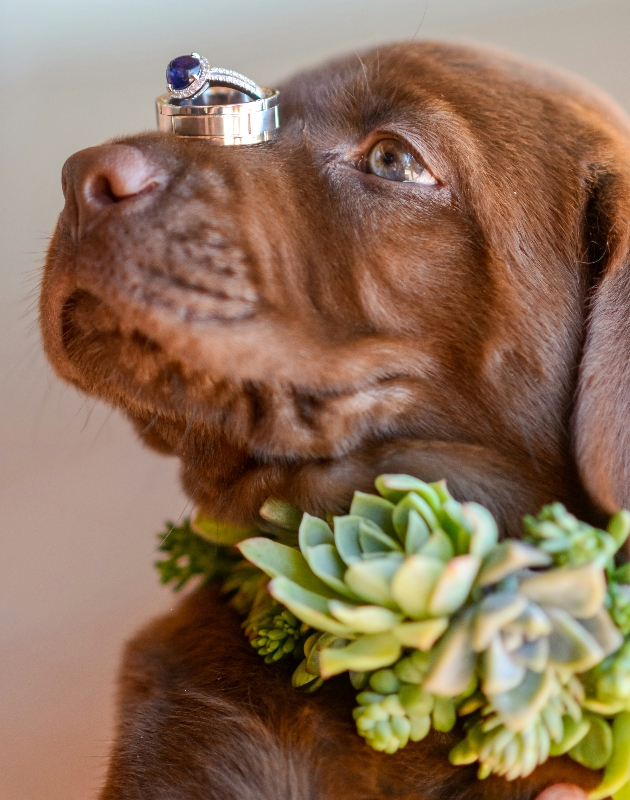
[292, 320]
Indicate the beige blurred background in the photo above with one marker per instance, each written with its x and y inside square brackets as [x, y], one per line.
[80, 500]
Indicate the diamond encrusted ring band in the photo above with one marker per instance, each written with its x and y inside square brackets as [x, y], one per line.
[186, 76]
[216, 104]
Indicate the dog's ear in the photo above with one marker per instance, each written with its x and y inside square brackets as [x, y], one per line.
[601, 420]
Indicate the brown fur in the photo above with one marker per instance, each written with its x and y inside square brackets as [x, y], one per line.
[290, 326]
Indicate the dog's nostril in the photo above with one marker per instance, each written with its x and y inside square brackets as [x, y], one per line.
[101, 192]
[100, 176]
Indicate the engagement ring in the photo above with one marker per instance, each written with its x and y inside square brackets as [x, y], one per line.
[217, 104]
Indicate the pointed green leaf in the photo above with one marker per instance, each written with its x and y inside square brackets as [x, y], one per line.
[326, 564]
[364, 619]
[278, 559]
[579, 590]
[314, 531]
[570, 644]
[413, 584]
[521, 706]
[453, 663]
[395, 487]
[417, 532]
[499, 672]
[493, 613]
[414, 502]
[373, 540]
[533, 655]
[604, 631]
[371, 580]
[438, 545]
[534, 622]
[455, 524]
[508, 557]
[485, 532]
[222, 533]
[307, 606]
[454, 585]
[375, 508]
[367, 653]
[619, 527]
[347, 538]
[420, 635]
[442, 491]
[282, 514]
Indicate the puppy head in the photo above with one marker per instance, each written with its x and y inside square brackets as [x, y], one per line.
[291, 321]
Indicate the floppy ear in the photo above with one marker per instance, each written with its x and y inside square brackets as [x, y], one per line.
[601, 421]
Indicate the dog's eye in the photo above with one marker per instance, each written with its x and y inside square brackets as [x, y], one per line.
[390, 159]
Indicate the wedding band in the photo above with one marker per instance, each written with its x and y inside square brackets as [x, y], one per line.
[216, 104]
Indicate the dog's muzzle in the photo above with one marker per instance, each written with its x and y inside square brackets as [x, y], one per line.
[216, 104]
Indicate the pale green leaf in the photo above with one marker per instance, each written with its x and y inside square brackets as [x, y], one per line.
[280, 513]
[570, 644]
[307, 606]
[401, 512]
[594, 750]
[498, 670]
[372, 579]
[521, 705]
[314, 531]
[417, 533]
[375, 508]
[454, 585]
[369, 652]
[508, 557]
[276, 559]
[222, 533]
[420, 635]
[373, 540]
[347, 538]
[578, 590]
[453, 664]
[438, 545]
[364, 619]
[485, 532]
[493, 613]
[328, 566]
[413, 584]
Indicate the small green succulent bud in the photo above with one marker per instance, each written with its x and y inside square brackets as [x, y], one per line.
[570, 541]
[274, 633]
[307, 675]
[608, 684]
[515, 753]
[618, 604]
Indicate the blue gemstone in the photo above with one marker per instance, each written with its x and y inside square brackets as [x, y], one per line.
[182, 71]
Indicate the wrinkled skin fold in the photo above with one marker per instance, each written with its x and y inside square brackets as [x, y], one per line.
[291, 326]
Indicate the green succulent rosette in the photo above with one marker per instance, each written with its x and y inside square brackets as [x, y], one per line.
[436, 621]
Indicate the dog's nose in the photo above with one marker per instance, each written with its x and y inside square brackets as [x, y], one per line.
[98, 177]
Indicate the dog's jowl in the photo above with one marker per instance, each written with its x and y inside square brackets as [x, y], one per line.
[292, 319]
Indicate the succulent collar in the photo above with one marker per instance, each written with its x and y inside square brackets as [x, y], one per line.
[525, 642]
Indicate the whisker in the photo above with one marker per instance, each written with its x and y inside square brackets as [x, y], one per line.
[424, 13]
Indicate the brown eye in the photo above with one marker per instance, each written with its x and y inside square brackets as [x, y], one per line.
[391, 160]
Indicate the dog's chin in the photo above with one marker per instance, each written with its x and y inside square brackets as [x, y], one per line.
[110, 350]
[242, 442]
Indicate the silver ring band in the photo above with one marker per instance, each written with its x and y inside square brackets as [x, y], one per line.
[225, 117]
[216, 104]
